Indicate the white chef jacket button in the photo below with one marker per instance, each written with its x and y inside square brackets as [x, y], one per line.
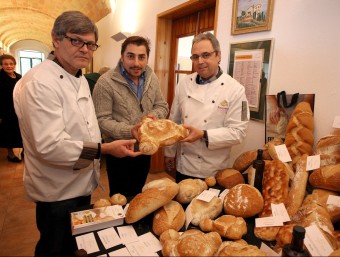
[205, 121]
[182, 153]
[61, 76]
[213, 101]
[189, 96]
[199, 157]
[222, 83]
[87, 123]
[186, 116]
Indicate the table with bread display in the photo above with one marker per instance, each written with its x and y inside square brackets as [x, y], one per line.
[226, 215]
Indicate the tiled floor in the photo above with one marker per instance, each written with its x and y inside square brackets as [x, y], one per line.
[18, 233]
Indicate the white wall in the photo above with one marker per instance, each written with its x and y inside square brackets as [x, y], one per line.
[305, 57]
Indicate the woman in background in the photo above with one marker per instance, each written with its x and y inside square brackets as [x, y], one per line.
[9, 127]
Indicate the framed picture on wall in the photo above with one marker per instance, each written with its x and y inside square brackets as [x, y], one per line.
[251, 16]
[249, 64]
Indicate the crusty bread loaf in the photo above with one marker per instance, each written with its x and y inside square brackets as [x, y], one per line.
[274, 190]
[118, 199]
[201, 209]
[328, 148]
[244, 160]
[189, 189]
[284, 236]
[238, 248]
[300, 131]
[227, 226]
[326, 177]
[228, 178]
[155, 194]
[269, 152]
[243, 200]
[170, 216]
[102, 202]
[320, 196]
[191, 242]
[298, 186]
[156, 133]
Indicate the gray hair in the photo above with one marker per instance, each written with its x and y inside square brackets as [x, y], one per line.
[207, 36]
[74, 22]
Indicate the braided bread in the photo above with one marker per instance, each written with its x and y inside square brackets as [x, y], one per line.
[299, 131]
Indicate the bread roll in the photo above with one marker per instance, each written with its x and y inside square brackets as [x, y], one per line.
[170, 216]
[168, 240]
[118, 199]
[201, 209]
[299, 132]
[243, 200]
[155, 194]
[189, 189]
[228, 178]
[211, 181]
[326, 177]
[156, 133]
[195, 243]
[227, 226]
[274, 190]
[238, 248]
[243, 161]
[329, 150]
[298, 187]
[103, 202]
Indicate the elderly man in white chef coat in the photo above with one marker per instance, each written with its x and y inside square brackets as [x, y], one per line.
[214, 107]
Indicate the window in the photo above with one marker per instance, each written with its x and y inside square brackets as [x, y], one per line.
[28, 59]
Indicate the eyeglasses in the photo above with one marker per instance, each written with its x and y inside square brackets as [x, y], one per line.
[205, 55]
[80, 43]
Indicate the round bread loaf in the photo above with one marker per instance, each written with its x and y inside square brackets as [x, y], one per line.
[101, 203]
[211, 181]
[118, 199]
[170, 216]
[243, 200]
[228, 178]
[243, 161]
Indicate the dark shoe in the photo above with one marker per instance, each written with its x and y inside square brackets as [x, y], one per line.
[13, 159]
[22, 155]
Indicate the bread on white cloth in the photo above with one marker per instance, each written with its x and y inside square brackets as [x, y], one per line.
[156, 133]
[191, 242]
[170, 216]
[154, 195]
[326, 177]
[201, 209]
[189, 189]
[227, 226]
[243, 200]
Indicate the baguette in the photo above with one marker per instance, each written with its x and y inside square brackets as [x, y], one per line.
[298, 187]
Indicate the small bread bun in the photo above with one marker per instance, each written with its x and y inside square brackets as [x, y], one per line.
[228, 178]
[118, 199]
[243, 200]
[211, 181]
[101, 203]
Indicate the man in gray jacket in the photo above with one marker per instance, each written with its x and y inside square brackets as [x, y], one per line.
[122, 97]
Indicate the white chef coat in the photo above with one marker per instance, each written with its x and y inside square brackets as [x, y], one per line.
[56, 116]
[216, 107]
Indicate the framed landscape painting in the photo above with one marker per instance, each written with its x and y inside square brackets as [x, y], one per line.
[251, 16]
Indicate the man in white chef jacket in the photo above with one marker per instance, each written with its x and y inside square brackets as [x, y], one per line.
[214, 107]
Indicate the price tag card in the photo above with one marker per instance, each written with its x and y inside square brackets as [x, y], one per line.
[206, 195]
[279, 210]
[316, 243]
[127, 234]
[87, 242]
[269, 251]
[150, 242]
[336, 122]
[216, 191]
[268, 222]
[334, 200]
[120, 252]
[109, 237]
[125, 208]
[313, 162]
[223, 194]
[282, 153]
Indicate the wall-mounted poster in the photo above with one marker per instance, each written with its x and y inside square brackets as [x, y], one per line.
[251, 16]
[249, 64]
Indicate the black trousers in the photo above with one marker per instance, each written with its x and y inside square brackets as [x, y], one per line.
[54, 225]
[127, 175]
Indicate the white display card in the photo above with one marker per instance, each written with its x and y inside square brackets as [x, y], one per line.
[336, 122]
[269, 251]
[109, 237]
[282, 153]
[313, 162]
[268, 222]
[120, 252]
[280, 211]
[127, 234]
[206, 196]
[316, 243]
[334, 200]
[87, 242]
